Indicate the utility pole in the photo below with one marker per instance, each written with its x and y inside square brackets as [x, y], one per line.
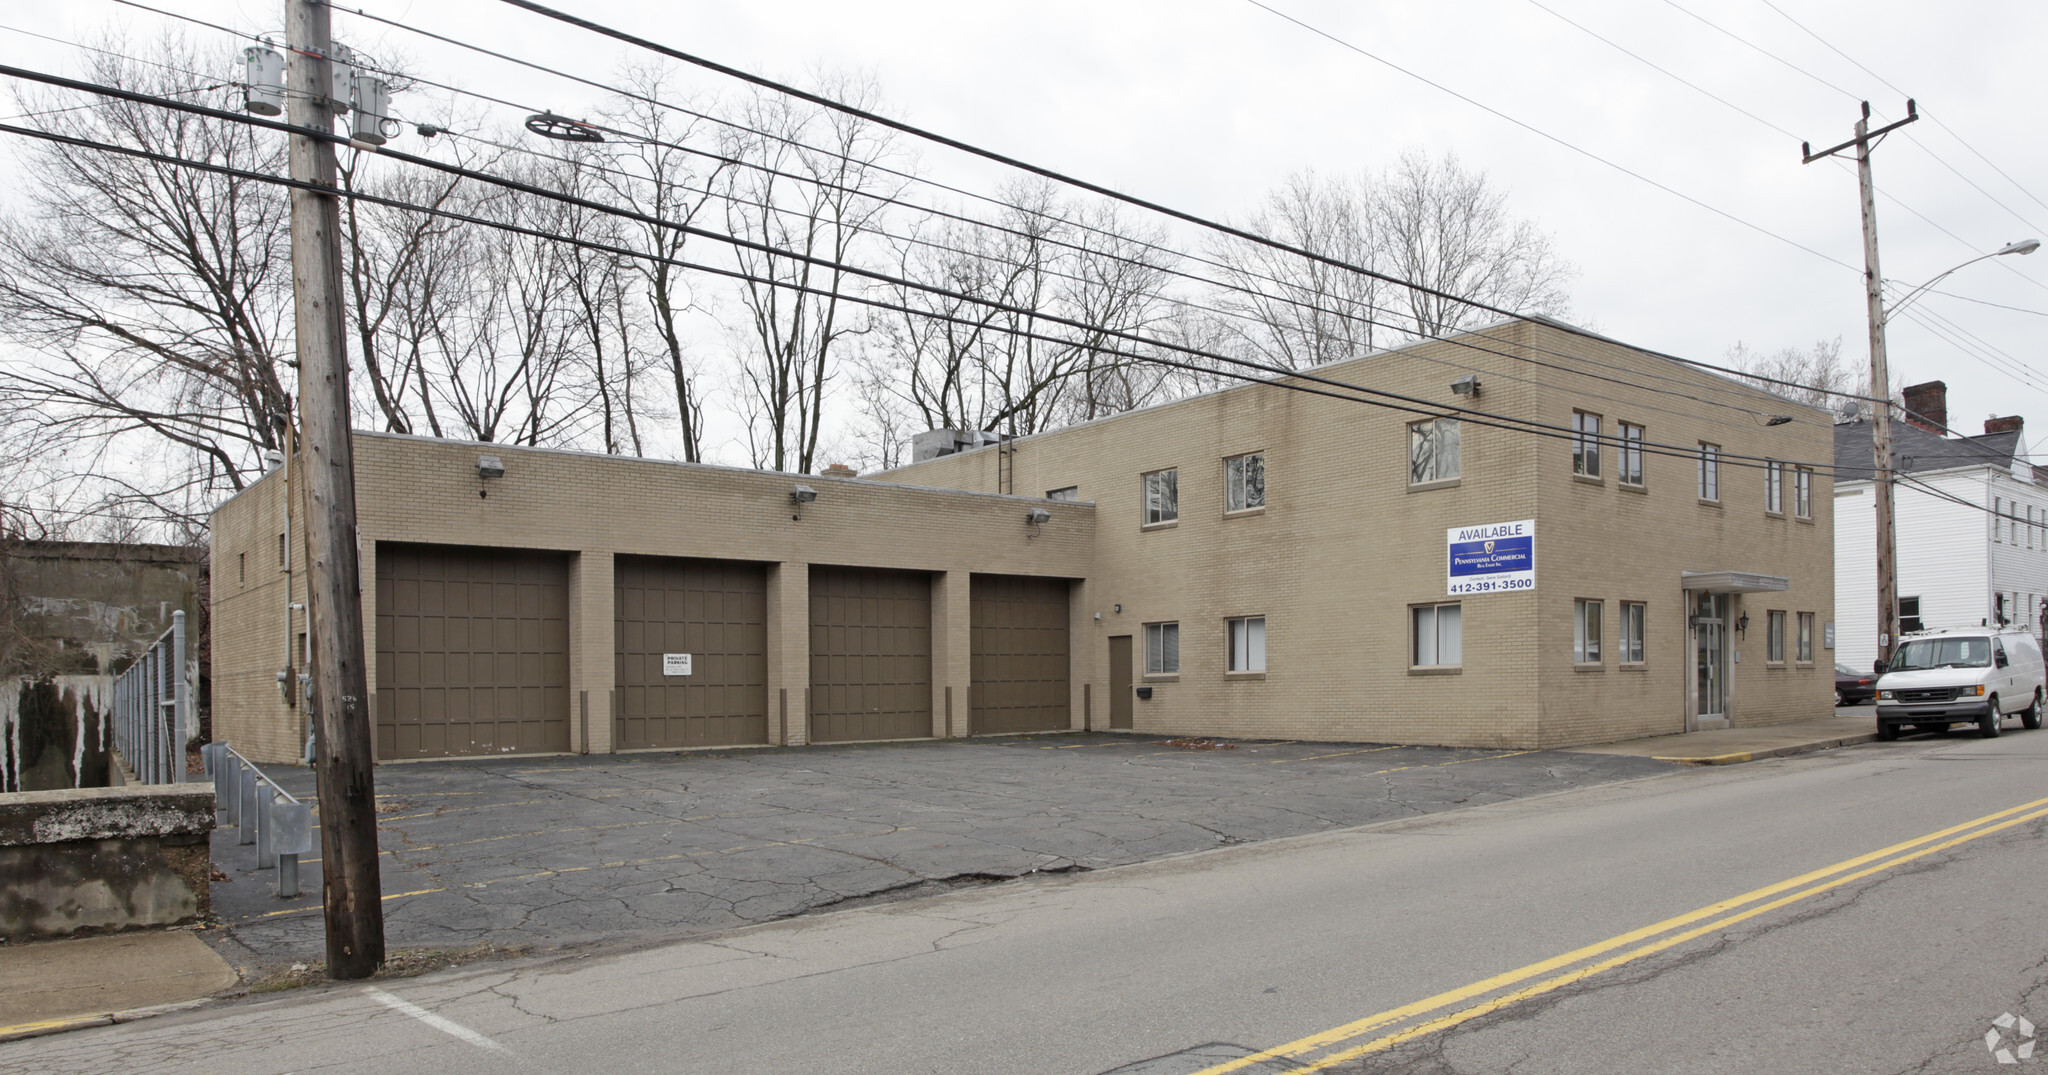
[334, 604]
[1880, 378]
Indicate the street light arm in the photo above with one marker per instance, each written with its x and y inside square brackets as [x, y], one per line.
[2024, 246]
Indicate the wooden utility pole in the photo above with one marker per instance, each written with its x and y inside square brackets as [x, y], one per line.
[334, 601]
[1880, 379]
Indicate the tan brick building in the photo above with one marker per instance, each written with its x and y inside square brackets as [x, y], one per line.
[1255, 561]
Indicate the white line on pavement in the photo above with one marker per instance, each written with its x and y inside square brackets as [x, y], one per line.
[445, 1026]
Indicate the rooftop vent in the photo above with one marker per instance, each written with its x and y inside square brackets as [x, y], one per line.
[934, 443]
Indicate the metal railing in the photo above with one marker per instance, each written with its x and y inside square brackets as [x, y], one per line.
[153, 709]
[279, 825]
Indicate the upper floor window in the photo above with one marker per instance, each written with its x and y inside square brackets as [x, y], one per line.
[1710, 471]
[1070, 493]
[1802, 492]
[1244, 482]
[1631, 437]
[1585, 444]
[1433, 450]
[1248, 644]
[1774, 486]
[1162, 497]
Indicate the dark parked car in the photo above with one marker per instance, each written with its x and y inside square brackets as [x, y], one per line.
[1853, 687]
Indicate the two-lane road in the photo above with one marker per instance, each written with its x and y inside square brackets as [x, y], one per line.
[1870, 909]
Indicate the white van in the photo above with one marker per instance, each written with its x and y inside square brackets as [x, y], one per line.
[1959, 674]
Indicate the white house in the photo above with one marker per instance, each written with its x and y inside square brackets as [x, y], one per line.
[1972, 524]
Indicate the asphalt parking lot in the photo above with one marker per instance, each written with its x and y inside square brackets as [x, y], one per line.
[539, 853]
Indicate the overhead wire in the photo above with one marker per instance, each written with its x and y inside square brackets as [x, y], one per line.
[1747, 376]
[1270, 374]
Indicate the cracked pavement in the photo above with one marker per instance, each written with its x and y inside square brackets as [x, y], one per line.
[539, 853]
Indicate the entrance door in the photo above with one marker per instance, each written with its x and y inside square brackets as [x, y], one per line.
[1120, 682]
[1710, 632]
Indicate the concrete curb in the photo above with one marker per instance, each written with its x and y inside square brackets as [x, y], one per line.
[1773, 752]
[79, 1022]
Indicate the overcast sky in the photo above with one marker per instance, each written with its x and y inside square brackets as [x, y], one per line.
[1206, 105]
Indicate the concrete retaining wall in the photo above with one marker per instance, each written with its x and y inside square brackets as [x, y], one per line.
[99, 860]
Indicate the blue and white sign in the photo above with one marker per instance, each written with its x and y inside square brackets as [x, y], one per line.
[1497, 558]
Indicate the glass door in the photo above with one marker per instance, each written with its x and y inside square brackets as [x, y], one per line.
[1710, 632]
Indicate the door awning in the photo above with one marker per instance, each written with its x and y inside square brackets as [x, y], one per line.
[1733, 581]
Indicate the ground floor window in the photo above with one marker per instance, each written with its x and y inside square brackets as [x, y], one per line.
[1162, 649]
[1909, 615]
[1437, 636]
[1774, 636]
[1632, 629]
[1248, 644]
[1586, 631]
[1805, 650]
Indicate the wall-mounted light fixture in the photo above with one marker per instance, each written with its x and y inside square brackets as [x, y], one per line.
[1034, 519]
[1777, 419]
[1742, 625]
[799, 496]
[1468, 385]
[487, 467]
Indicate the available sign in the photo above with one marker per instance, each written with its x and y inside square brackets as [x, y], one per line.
[1498, 558]
[675, 664]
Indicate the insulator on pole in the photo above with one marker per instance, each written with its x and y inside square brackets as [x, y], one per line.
[263, 79]
[373, 111]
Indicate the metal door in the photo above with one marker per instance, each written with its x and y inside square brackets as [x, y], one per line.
[1120, 682]
[472, 651]
[871, 654]
[713, 615]
[1019, 655]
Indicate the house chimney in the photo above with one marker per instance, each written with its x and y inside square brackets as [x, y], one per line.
[2012, 424]
[1927, 406]
[840, 470]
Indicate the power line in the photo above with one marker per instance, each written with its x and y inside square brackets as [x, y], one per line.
[1271, 375]
[1261, 240]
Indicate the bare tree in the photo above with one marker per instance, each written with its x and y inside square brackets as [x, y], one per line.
[815, 201]
[152, 300]
[1426, 222]
[1818, 371]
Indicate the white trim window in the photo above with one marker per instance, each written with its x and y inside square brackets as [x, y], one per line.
[1585, 444]
[1162, 649]
[1805, 650]
[1162, 497]
[1710, 471]
[1434, 450]
[1631, 436]
[1774, 637]
[1633, 615]
[1774, 486]
[1998, 518]
[1244, 482]
[1586, 616]
[1802, 492]
[1436, 636]
[1247, 644]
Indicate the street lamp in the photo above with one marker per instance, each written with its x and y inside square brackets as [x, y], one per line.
[1881, 416]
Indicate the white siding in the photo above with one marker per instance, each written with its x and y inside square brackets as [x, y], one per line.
[1944, 558]
[2017, 568]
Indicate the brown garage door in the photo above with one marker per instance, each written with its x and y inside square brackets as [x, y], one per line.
[715, 611]
[472, 651]
[1020, 655]
[871, 654]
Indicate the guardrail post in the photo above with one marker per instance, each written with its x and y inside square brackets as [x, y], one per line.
[294, 837]
[246, 810]
[266, 837]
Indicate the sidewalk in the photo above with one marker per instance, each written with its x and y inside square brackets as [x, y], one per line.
[1727, 746]
[92, 981]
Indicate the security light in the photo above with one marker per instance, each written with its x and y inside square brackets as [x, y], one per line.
[1467, 385]
[802, 494]
[1777, 419]
[1037, 516]
[489, 466]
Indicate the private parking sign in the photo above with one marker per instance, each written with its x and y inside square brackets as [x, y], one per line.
[1496, 558]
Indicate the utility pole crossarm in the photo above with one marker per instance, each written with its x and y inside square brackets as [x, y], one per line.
[1809, 156]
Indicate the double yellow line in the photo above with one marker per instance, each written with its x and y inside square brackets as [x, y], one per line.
[1355, 1039]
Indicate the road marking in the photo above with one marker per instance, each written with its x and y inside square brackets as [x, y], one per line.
[1661, 936]
[445, 1026]
[1339, 754]
[316, 907]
